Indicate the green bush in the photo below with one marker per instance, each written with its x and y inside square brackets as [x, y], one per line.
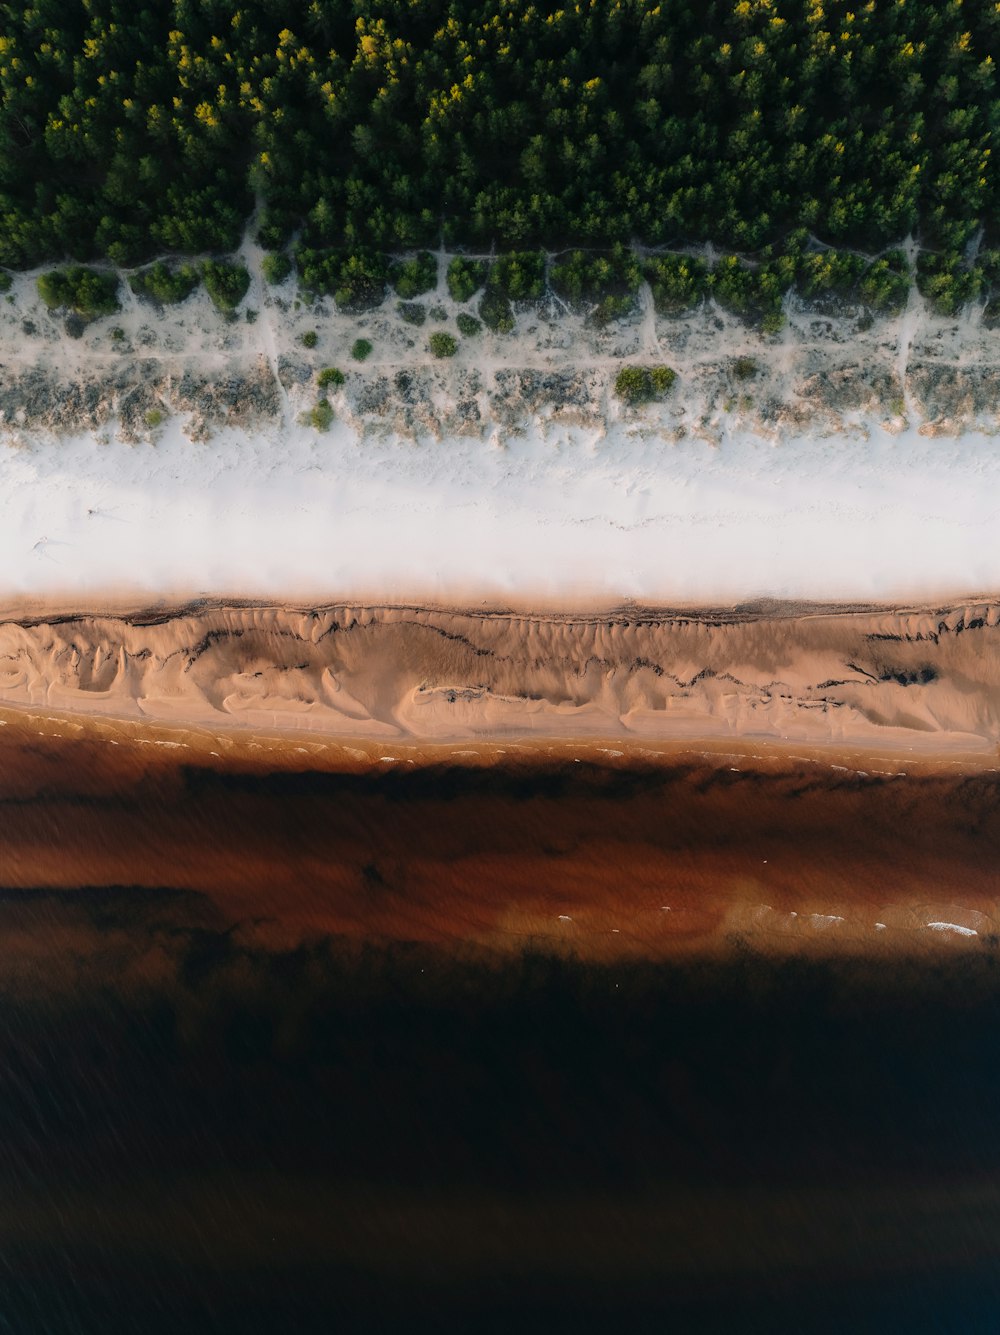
[519, 275]
[412, 312]
[468, 325]
[495, 312]
[84, 291]
[310, 338]
[834, 271]
[754, 294]
[442, 344]
[164, 283]
[465, 277]
[330, 375]
[321, 417]
[154, 417]
[608, 281]
[416, 276]
[947, 282]
[5, 281]
[225, 283]
[662, 379]
[643, 384]
[361, 349]
[276, 266]
[678, 282]
[356, 279]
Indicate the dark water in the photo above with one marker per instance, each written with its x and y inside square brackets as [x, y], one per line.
[221, 1117]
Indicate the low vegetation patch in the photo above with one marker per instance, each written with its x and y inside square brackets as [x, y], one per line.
[678, 282]
[644, 384]
[468, 325]
[225, 283]
[155, 417]
[496, 312]
[356, 279]
[744, 368]
[465, 277]
[310, 338]
[412, 312]
[164, 283]
[603, 284]
[442, 344]
[361, 349]
[276, 266]
[414, 277]
[5, 281]
[85, 291]
[330, 375]
[321, 417]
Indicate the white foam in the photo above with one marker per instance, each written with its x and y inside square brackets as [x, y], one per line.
[952, 927]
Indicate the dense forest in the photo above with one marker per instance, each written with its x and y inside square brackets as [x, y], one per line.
[132, 129]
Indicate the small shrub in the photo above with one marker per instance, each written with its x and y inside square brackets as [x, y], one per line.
[662, 379]
[643, 384]
[276, 267]
[468, 325]
[744, 368]
[164, 284]
[361, 349]
[330, 375]
[496, 313]
[310, 338]
[118, 334]
[416, 276]
[442, 344]
[154, 417]
[225, 283]
[251, 317]
[5, 281]
[465, 277]
[412, 312]
[438, 313]
[84, 291]
[321, 416]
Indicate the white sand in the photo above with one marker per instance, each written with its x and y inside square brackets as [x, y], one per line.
[290, 513]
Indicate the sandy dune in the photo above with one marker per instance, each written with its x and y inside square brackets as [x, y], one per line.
[923, 679]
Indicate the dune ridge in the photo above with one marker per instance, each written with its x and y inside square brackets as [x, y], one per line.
[924, 678]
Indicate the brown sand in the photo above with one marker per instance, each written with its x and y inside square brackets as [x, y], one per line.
[922, 679]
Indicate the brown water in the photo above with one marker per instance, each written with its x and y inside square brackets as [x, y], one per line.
[550, 1037]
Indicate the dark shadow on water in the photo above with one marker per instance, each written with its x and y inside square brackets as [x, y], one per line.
[409, 1139]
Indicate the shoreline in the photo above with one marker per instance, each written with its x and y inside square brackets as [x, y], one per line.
[617, 853]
